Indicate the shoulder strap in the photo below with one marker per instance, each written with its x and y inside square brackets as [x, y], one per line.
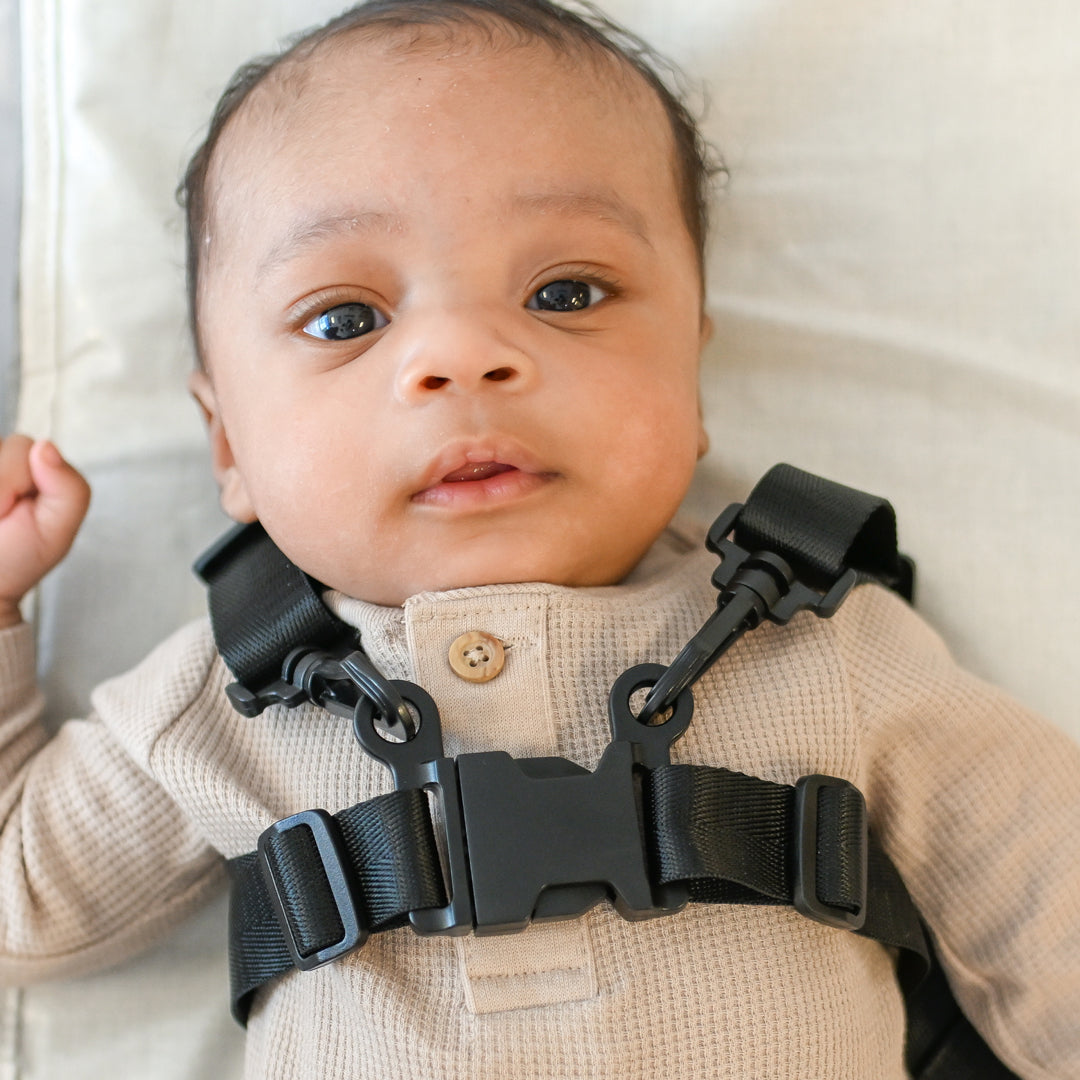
[262, 607]
[824, 529]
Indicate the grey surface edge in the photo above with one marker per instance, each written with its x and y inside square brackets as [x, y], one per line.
[10, 189]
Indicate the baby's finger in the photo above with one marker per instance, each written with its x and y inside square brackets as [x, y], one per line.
[62, 493]
[16, 479]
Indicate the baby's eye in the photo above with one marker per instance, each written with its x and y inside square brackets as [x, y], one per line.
[566, 295]
[345, 321]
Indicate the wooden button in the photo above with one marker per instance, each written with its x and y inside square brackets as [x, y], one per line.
[476, 656]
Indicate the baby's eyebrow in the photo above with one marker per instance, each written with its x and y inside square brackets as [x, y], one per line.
[594, 204]
[316, 228]
[604, 205]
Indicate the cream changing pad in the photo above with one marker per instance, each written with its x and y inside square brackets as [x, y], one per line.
[893, 280]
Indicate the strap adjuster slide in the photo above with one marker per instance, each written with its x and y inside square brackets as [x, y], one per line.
[851, 866]
[304, 913]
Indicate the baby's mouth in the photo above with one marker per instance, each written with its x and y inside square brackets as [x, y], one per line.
[479, 470]
[483, 484]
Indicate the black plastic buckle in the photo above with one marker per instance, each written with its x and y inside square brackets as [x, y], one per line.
[324, 835]
[548, 839]
[536, 839]
[806, 899]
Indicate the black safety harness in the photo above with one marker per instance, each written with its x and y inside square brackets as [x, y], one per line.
[521, 840]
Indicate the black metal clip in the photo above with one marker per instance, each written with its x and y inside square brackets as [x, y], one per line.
[753, 586]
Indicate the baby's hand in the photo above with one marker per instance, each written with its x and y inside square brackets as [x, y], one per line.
[43, 501]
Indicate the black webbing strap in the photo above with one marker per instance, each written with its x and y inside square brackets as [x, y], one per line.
[391, 866]
[734, 839]
[822, 529]
[729, 837]
[262, 606]
[941, 1042]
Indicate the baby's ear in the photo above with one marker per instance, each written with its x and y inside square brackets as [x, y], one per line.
[703, 434]
[233, 492]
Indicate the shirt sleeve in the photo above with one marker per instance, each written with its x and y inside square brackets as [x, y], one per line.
[96, 859]
[978, 803]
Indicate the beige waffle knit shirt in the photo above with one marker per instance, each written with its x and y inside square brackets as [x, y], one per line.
[117, 827]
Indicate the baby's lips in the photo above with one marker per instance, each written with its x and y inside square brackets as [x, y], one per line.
[475, 459]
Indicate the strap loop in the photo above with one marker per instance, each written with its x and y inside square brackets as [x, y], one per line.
[831, 851]
[306, 874]
[799, 543]
[379, 862]
[823, 529]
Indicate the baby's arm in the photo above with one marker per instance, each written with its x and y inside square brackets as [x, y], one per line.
[978, 804]
[43, 501]
[96, 859]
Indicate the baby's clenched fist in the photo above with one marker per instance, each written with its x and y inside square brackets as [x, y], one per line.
[43, 501]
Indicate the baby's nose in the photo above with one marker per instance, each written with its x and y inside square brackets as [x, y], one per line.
[460, 356]
[437, 382]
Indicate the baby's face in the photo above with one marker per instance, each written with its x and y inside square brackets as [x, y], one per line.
[451, 315]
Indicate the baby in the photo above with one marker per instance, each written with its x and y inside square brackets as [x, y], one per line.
[445, 265]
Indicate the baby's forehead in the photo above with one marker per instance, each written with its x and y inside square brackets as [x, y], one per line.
[285, 94]
[363, 86]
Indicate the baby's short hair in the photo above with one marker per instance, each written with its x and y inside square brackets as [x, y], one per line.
[585, 28]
